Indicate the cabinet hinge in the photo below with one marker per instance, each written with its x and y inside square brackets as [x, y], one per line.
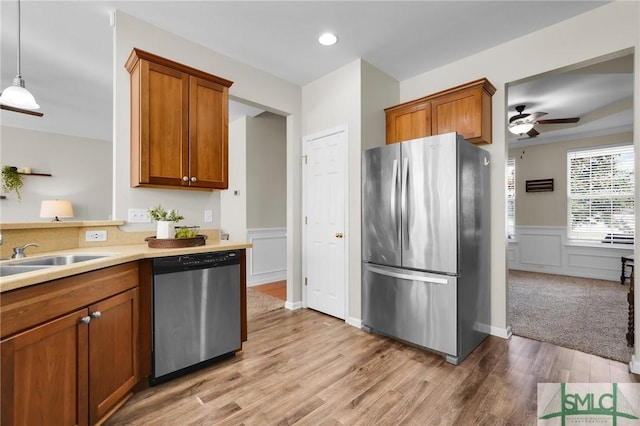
[305, 280]
[305, 220]
[305, 159]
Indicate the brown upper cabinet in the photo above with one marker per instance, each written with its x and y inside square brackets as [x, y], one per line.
[410, 120]
[465, 109]
[179, 125]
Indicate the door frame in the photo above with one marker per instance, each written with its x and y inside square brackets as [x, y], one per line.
[324, 133]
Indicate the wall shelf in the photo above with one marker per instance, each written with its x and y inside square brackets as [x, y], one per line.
[4, 197]
[35, 174]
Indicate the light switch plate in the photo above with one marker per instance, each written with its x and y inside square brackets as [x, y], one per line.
[208, 215]
[138, 216]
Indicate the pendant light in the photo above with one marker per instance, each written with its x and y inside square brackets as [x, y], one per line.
[16, 96]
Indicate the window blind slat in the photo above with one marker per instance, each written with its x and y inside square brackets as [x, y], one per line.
[601, 193]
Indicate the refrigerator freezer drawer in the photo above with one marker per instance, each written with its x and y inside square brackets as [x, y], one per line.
[416, 307]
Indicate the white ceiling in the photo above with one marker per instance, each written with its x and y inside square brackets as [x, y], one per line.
[600, 94]
[67, 45]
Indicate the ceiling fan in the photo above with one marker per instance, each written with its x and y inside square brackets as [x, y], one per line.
[522, 123]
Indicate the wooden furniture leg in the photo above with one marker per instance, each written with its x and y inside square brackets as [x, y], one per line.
[630, 324]
[625, 262]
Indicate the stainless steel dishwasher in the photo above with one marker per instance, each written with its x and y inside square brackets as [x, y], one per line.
[196, 312]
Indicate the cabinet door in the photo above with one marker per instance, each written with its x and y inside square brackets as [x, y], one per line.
[208, 134]
[113, 351]
[164, 131]
[411, 122]
[467, 112]
[44, 374]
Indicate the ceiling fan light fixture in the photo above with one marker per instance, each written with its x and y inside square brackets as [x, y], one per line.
[18, 96]
[520, 128]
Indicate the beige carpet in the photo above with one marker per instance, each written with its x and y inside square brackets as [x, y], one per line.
[578, 313]
[260, 303]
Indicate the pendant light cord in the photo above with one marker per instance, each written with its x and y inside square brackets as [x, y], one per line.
[19, 76]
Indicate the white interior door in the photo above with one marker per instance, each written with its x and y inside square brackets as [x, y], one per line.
[325, 233]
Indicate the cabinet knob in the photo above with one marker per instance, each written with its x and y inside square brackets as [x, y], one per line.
[193, 179]
[85, 320]
[185, 178]
[96, 314]
[339, 235]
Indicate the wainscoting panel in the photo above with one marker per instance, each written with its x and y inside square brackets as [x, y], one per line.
[540, 249]
[546, 249]
[267, 259]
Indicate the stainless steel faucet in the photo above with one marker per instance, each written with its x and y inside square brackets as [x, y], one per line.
[18, 252]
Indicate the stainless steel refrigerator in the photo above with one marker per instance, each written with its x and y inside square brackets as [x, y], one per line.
[426, 243]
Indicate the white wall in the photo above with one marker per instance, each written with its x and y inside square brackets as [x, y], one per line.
[266, 171]
[233, 208]
[604, 30]
[338, 99]
[250, 84]
[550, 161]
[80, 171]
[257, 211]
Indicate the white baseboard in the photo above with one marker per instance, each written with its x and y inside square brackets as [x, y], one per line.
[266, 278]
[355, 322]
[504, 333]
[634, 365]
[292, 306]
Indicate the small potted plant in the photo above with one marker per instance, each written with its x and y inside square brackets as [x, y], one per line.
[164, 219]
[11, 180]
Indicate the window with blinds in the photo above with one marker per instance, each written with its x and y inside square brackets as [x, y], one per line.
[511, 198]
[601, 194]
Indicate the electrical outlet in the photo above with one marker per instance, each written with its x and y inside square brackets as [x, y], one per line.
[138, 216]
[208, 216]
[96, 236]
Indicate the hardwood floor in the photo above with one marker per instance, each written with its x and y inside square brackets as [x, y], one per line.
[305, 368]
[276, 289]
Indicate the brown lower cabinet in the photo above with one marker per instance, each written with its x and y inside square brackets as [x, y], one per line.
[74, 349]
[69, 348]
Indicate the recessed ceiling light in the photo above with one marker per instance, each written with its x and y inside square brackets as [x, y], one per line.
[327, 39]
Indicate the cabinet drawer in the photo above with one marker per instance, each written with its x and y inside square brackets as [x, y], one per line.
[27, 307]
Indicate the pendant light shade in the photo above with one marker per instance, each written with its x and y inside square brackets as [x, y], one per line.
[16, 95]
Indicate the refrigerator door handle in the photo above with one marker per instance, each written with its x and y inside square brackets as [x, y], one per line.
[404, 207]
[394, 204]
[407, 276]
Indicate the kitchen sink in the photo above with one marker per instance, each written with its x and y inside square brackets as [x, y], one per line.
[18, 269]
[18, 266]
[54, 260]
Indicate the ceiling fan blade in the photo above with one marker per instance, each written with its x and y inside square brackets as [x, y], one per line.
[534, 116]
[559, 120]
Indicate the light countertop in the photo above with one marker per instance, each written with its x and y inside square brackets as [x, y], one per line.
[114, 255]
